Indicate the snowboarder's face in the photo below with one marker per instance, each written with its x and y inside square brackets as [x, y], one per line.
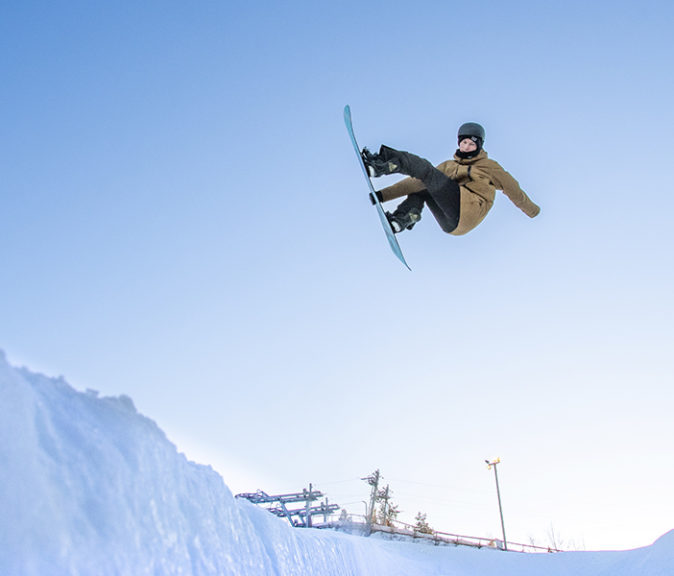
[467, 145]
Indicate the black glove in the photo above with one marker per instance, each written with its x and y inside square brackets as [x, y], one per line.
[379, 197]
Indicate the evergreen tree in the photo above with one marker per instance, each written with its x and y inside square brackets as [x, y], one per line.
[422, 525]
[388, 512]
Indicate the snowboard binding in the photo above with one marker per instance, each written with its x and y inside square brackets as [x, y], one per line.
[377, 165]
[402, 222]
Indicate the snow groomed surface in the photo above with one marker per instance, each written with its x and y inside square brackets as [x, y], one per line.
[90, 486]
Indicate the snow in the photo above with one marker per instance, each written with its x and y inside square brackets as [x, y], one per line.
[90, 486]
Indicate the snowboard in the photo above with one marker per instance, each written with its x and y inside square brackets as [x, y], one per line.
[392, 240]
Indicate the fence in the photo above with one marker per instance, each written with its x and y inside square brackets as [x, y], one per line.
[408, 532]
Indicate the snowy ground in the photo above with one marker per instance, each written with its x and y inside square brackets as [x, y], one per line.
[91, 487]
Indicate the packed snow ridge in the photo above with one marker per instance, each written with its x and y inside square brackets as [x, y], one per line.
[91, 487]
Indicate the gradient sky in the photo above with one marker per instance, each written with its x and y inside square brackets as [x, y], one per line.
[182, 220]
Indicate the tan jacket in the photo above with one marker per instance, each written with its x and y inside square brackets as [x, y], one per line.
[478, 179]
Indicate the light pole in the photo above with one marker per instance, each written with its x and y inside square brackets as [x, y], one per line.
[493, 465]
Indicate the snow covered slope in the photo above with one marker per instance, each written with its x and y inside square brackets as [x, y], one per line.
[91, 487]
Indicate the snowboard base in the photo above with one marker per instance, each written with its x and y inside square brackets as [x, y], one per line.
[390, 235]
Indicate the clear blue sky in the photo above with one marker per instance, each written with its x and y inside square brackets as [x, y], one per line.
[182, 220]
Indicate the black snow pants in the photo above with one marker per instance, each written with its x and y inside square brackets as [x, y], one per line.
[442, 194]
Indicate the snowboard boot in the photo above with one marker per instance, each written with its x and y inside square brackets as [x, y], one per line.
[406, 221]
[407, 214]
[382, 163]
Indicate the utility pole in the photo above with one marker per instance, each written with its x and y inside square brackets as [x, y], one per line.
[372, 480]
[493, 465]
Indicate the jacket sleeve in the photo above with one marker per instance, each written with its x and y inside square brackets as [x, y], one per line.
[511, 188]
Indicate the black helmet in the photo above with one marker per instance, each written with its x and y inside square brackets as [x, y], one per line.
[471, 130]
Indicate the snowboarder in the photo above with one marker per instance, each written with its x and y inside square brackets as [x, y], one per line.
[459, 192]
